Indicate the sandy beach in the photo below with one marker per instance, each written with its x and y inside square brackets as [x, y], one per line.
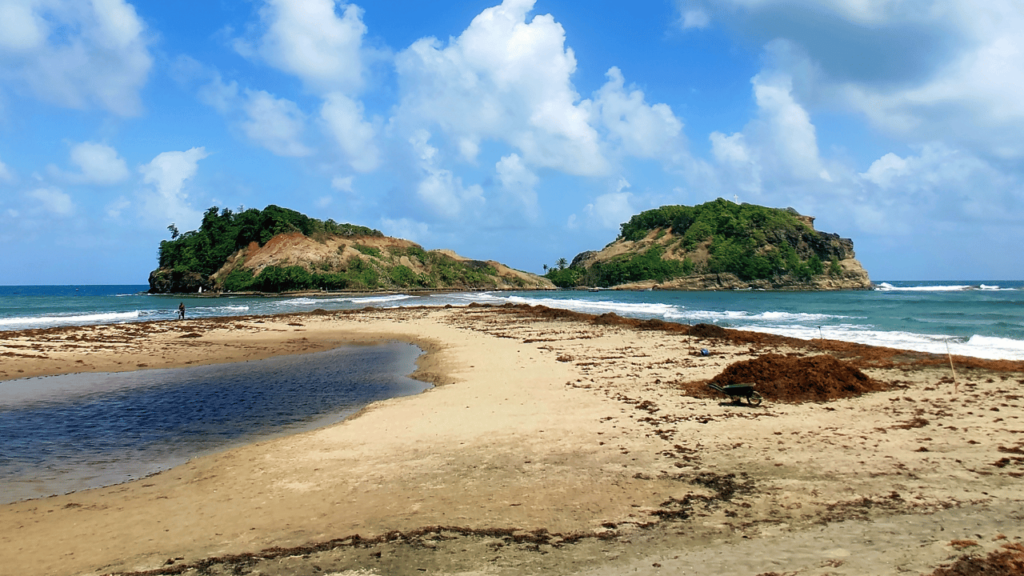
[552, 442]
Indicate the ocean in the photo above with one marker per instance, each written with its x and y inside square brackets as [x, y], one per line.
[66, 433]
[981, 319]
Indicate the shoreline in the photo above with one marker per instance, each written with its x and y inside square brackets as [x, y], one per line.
[551, 434]
[740, 311]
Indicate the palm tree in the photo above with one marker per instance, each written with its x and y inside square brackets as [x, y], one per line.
[562, 263]
[545, 268]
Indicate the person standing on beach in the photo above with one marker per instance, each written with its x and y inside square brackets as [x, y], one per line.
[181, 311]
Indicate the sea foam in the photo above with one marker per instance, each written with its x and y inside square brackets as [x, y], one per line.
[886, 287]
[97, 318]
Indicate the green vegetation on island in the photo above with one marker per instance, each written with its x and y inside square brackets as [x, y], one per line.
[752, 243]
[222, 232]
[279, 250]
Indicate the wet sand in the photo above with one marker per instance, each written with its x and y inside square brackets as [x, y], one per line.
[553, 443]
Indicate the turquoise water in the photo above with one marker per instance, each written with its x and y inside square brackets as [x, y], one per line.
[970, 318]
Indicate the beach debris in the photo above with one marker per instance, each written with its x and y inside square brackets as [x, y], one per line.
[1006, 561]
[809, 379]
[708, 331]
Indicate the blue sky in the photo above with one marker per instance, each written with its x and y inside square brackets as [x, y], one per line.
[524, 131]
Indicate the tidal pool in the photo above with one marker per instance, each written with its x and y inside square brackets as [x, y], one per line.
[62, 434]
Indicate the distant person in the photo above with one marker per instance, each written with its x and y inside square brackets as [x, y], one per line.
[181, 311]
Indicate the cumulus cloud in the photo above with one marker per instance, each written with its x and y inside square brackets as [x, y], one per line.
[277, 124]
[440, 189]
[76, 54]
[947, 184]
[21, 27]
[53, 200]
[504, 79]
[97, 164]
[518, 186]
[948, 71]
[318, 41]
[607, 211]
[786, 127]
[741, 165]
[611, 210]
[940, 81]
[638, 128]
[168, 173]
[343, 120]
[778, 148]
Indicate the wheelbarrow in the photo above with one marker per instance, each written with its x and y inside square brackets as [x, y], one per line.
[737, 392]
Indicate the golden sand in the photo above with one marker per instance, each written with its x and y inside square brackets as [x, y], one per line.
[551, 444]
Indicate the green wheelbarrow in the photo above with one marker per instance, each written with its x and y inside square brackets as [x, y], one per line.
[737, 392]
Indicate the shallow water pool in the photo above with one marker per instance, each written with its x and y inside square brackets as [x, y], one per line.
[66, 433]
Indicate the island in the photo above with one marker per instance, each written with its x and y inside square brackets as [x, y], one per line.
[718, 245]
[280, 250]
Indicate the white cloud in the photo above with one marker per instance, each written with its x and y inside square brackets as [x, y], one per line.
[168, 173]
[611, 210]
[502, 79]
[693, 17]
[778, 148]
[276, 124]
[741, 168]
[518, 185]
[439, 188]
[950, 70]
[343, 120]
[219, 95]
[946, 184]
[308, 38]
[405, 228]
[117, 207]
[97, 164]
[342, 183]
[76, 54]
[786, 127]
[324, 201]
[5, 173]
[729, 149]
[941, 79]
[53, 200]
[21, 28]
[885, 171]
[972, 99]
[640, 129]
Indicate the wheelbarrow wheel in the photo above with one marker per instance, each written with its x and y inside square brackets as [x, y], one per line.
[754, 399]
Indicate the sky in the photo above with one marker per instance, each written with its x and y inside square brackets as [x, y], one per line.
[523, 131]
